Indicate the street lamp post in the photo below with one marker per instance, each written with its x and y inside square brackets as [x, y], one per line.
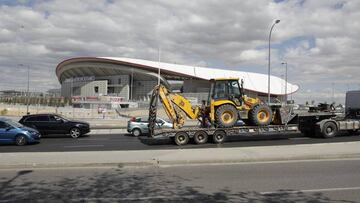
[276, 22]
[286, 72]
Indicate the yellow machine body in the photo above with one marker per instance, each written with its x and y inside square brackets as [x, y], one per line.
[226, 100]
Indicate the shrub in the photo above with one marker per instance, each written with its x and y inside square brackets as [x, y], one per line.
[3, 112]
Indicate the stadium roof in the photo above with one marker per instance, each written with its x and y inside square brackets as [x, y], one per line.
[252, 81]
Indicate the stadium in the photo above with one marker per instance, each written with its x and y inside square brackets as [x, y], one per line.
[126, 82]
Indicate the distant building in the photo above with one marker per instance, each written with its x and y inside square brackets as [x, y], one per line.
[133, 79]
[11, 93]
[15, 93]
[54, 92]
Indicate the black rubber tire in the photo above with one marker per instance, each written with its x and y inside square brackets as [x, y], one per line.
[75, 132]
[201, 137]
[181, 138]
[329, 130]
[223, 112]
[219, 137]
[136, 132]
[260, 109]
[20, 140]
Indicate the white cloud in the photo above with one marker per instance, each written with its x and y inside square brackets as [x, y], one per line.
[253, 55]
[318, 39]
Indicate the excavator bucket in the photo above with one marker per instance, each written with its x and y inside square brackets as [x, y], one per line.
[153, 110]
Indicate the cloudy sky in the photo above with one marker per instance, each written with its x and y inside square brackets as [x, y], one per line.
[319, 39]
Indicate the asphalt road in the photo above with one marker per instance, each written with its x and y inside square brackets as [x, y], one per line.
[306, 181]
[53, 143]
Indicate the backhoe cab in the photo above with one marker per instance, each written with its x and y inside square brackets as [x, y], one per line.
[228, 104]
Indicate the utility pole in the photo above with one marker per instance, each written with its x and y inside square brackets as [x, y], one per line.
[28, 93]
[286, 75]
[159, 55]
[332, 92]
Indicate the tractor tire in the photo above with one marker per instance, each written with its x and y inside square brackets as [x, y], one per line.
[260, 115]
[226, 116]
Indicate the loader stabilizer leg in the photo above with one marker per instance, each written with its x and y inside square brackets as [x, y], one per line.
[152, 110]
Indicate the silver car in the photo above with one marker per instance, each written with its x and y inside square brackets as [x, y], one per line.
[139, 125]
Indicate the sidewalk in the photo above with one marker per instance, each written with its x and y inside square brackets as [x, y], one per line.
[108, 131]
[180, 156]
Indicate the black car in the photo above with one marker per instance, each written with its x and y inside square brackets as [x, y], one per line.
[55, 124]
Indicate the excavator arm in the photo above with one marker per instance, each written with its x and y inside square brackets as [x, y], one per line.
[171, 102]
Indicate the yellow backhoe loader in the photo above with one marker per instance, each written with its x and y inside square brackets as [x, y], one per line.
[225, 106]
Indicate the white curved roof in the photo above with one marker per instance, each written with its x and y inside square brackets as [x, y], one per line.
[252, 81]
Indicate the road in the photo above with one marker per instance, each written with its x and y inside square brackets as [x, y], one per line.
[126, 142]
[301, 181]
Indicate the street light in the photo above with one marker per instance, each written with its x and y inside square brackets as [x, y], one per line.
[286, 70]
[276, 22]
[27, 91]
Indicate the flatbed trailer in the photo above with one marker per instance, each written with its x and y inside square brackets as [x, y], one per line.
[218, 135]
[306, 123]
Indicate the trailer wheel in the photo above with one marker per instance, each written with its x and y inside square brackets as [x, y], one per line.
[226, 116]
[329, 130]
[219, 137]
[200, 137]
[181, 138]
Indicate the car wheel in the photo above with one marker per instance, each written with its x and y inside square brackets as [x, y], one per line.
[136, 132]
[20, 140]
[75, 132]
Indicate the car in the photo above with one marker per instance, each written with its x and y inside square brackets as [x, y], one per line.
[55, 124]
[139, 125]
[13, 132]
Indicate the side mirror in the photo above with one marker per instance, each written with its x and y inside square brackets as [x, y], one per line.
[9, 128]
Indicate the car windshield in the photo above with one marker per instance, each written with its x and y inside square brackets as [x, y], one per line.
[14, 124]
[142, 119]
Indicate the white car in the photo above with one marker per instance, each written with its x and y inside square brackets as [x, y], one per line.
[140, 125]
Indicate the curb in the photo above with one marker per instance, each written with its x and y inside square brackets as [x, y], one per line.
[249, 161]
[156, 163]
[181, 157]
[107, 131]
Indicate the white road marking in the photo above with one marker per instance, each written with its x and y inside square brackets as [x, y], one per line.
[76, 146]
[300, 138]
[261, 162]
[312, 190]
[111, 199]
[94, 139]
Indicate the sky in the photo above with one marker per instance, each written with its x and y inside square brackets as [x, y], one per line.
[319, 39]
